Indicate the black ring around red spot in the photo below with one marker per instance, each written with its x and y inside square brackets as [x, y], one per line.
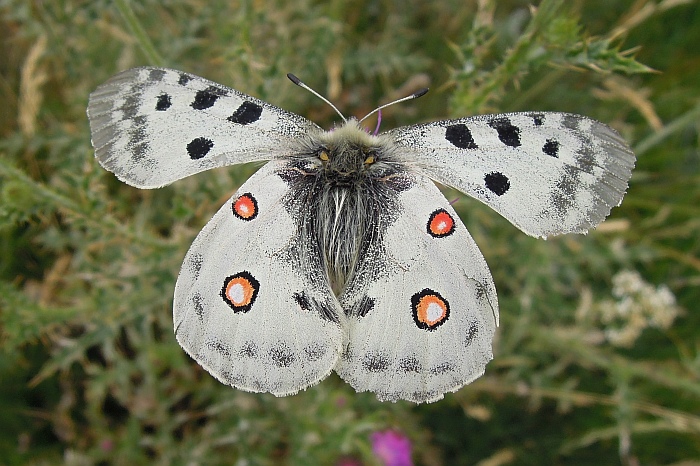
[440, 224]
[417, 303]
[252, 287]
[249, 201]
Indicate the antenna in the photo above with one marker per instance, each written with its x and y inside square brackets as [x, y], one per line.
[299, 83]
[415, 95]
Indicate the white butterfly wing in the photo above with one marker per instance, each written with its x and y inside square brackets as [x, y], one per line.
[547, 173]
[153, 126]
[244, 309]
[422, 312]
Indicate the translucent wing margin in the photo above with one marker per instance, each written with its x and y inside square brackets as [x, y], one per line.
[153, 126]
[242, 308]
[547, 173]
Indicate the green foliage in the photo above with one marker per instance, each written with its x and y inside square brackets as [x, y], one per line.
[597, 357]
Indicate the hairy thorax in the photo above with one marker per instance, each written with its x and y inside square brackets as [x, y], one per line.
[346, 181]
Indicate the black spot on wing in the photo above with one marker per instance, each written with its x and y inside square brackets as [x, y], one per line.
[507, 132]
[234, 380]
[282, 355]
[249, 350]
[195, 264]
[460, 136]
[497, 183]
[442, 368]
[537, 118]
[375, 362]
[219, 348]
[205, 99]
[163, 102]
[302, 300]
[472, 332]
[198, 303]
[422, 396]
[480, 293]
[156, 75]
[410, 364]
[184, 79]
[315, 352]
[199, 147]
[247, 113]
[361, 308]
[309, 303]
[551, 148]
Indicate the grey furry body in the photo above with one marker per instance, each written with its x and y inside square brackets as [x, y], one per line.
[346, 202]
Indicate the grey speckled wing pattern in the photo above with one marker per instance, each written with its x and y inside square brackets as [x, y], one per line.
[238, 300]
[423, 313]
[547, 173]
[153, 126]
[341, 253]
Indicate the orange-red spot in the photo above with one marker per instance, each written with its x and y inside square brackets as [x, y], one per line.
[440, 223]
[430, 310]
[239, 291]
[245, 207]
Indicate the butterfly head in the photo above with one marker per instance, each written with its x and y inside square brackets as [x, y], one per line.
[349, 154]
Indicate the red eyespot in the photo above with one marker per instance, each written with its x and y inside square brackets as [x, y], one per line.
[239, 291]
[440, 224]
[245, 207]
[430, 310]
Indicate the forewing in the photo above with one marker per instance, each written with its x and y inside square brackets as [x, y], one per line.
[547, 173]
[422, 308]
[244, 309]
[153, 126]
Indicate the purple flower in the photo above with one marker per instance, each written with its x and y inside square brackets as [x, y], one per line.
[392, 448]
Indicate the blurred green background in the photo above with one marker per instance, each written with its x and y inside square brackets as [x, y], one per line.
[597, 360]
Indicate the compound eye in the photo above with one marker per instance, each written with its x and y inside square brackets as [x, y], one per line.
[370, 157]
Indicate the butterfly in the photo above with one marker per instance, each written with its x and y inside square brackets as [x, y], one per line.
[340, 253]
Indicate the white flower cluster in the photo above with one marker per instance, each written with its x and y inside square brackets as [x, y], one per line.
[638, 305]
